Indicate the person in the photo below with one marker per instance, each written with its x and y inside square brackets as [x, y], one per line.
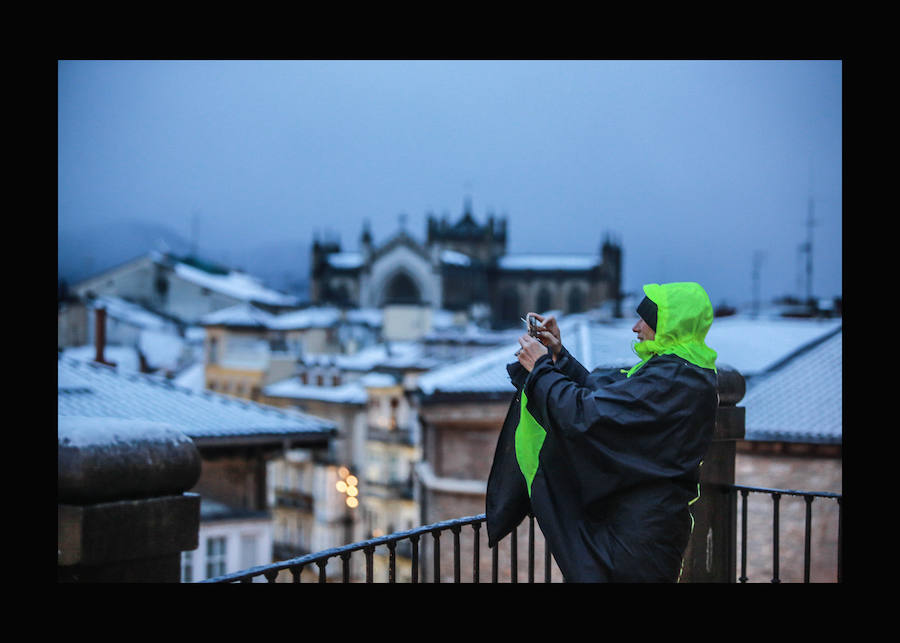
[609, 461]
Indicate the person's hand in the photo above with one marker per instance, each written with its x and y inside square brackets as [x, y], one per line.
[530, 352]
[549, 335]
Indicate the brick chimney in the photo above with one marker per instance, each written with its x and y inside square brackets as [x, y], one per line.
[100, 335]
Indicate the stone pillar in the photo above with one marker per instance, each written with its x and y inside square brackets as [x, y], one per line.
[123, 511]
[710, 555]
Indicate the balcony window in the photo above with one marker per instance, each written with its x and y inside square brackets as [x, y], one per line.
[215, 556]
[187, 566]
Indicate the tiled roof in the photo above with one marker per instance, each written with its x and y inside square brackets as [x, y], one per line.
[593, 343]
[800, 400]
[89, 389]
[795, 393]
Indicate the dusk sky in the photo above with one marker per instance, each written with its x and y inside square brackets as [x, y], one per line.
[693, 166]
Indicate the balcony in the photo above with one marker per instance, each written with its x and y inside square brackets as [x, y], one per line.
[127, 515]
[463, 537]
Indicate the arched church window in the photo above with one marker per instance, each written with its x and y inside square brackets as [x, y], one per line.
[544, 300]
[401, 289]
[576, 301]
[509, 306]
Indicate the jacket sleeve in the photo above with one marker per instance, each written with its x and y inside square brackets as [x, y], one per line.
[629, 431]
[571, 367]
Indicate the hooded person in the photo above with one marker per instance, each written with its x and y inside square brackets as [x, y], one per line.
[609, 461]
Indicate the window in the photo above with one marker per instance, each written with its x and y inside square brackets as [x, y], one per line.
[187, 566]
[248, 551]
[215, 556]
[213, 351]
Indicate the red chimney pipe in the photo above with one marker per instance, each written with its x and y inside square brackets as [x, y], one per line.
[100, 335]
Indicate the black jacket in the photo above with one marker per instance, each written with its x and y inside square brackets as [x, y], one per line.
[618, 467]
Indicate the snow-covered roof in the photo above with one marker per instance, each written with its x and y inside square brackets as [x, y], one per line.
[243, 314]
[594, 344]
[349, 393]
[346, 260]
[87, 389]
[235, 284]
[455, 258]
[549, 262]
[129, 313]
[753, 345]
[397, 355]
[749, 345]
[800, 400]
[316, 317]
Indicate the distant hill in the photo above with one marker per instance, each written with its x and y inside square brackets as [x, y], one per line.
[88, 250]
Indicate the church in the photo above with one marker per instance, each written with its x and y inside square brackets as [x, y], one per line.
[463, 268]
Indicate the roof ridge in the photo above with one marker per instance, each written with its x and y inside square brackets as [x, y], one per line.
[805, 348]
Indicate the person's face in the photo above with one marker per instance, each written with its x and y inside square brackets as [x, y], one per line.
[644, 332]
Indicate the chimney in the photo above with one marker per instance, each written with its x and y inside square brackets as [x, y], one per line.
[100, 335]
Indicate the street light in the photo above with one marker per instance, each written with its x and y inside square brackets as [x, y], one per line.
[348, 485]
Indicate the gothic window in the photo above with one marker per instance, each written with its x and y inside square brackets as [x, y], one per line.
[544, 300]
[509, 306]
[576, 300]
[401, 289]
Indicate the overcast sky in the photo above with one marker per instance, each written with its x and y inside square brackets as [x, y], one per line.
[693, 165]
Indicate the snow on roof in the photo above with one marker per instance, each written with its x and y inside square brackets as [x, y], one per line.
[349, 393]
[749, 345]
[125, 358]
[387, 355]
[242, 314]
[549, 262]
[753, 345]
[592, 343]
[235, 284]
[801, 400]
[345, 260]
[455, 258]
[129, 313]
[316, 317]
[87, 389]
[373, 317]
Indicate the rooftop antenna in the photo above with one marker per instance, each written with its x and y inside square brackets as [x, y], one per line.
[808, 246]
[195, 223]
[757, 264]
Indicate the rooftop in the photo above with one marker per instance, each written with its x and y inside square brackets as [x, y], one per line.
[88, 389]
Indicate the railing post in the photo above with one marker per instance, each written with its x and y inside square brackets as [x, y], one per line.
[123, 514]
[711, 552]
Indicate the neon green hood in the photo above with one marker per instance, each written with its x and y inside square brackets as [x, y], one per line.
[683, 318]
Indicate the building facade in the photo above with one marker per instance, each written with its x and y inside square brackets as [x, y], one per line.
[462, 267]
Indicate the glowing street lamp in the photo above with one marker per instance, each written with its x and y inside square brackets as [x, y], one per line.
[348, 485]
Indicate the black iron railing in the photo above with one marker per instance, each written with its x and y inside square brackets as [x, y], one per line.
[776, 495]
[413, 538]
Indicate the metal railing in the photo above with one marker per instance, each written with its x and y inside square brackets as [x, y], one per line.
[413, 538]
[776, 495]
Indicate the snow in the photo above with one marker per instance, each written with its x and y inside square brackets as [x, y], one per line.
[84, 432]
[129, 313]
[161, 349]
[235, 284]
[124, 357]
[243, 314]
[549, 262]
[316, 317]
[345, 260]
[754, 345]
[351, 393]
[455, 258]
[192, 378]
